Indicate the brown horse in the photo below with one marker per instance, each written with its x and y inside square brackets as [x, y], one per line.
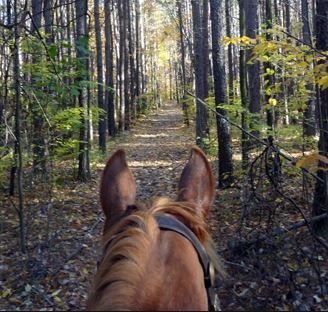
[156, 255]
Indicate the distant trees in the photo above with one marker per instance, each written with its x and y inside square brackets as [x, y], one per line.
[74, 71]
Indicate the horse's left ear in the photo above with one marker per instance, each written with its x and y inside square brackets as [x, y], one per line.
[117, 188]
[197, 182]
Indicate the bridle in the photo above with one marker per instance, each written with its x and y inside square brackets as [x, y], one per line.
[212, 282]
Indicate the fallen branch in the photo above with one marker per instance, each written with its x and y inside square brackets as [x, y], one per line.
[237, 244]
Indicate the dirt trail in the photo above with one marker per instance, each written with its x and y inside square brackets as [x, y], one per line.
[156, 149]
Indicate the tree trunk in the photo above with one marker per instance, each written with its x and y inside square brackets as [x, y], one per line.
[320, 202]
[126, 66]
[201, 113]
[205, 46]
[39, 161]
[223, 128]
[82, 54]
[109, 92]
[100, 80]
[268, 66]
[230, 63]
[18, 143]
[253, 70]
[47, 14]
[243, 86]
[183, 63]
[138, 56]
[309, 113]
[121, 63]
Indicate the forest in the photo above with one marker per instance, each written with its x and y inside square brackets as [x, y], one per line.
[244, 80]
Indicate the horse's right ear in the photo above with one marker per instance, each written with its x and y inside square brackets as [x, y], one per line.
[117, 188]
[197, 182]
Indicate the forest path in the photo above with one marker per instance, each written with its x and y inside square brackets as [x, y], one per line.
[156, 149]
[64, 235]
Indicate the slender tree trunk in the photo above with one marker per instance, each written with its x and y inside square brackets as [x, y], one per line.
[18, 117]
[133, 111]
[253, 70]
[206, 61]
[47, 14]
[81, 7]
[201, 113]
[121, 63]
[268, 66]
[223, 128]
[39, 161]
[138, 55]
[126, 66]
[309, 113]
[230, 62]
[243, 85]
[320, 202]
[183, 63]
[109, 92]
[102, 118]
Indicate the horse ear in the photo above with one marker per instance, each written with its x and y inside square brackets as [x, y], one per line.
[197, 182]
[117, 188]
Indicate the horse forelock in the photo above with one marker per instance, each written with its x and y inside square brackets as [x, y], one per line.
[128, 245]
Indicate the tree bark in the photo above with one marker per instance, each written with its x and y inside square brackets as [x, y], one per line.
[230, 62]
[309, 113]
[223, 128]
[102, 118]
[39, 161]
[109, 92]
[269, 19]
[253, 70]
[201, 113]
[82, 54]
[205, 31]
[18, 143]
[243, 86]
[320, 201]
[183, 63]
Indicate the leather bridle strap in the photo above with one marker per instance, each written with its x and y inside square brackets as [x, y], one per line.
[170, 223]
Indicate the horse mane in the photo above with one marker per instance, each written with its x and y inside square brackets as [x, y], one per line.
[127, 246]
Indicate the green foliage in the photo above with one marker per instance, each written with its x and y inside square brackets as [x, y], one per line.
[6, 162]
[68, 120]
[66, 149]
[293, 68]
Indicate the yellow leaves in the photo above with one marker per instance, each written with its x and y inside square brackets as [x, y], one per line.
[323, 82]
[272, 102]
[311, 160]
[269, 71]
[303, 64]
[226, 40]
[6, 293]
[292, 266]
[230, 40]
[242, 40]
